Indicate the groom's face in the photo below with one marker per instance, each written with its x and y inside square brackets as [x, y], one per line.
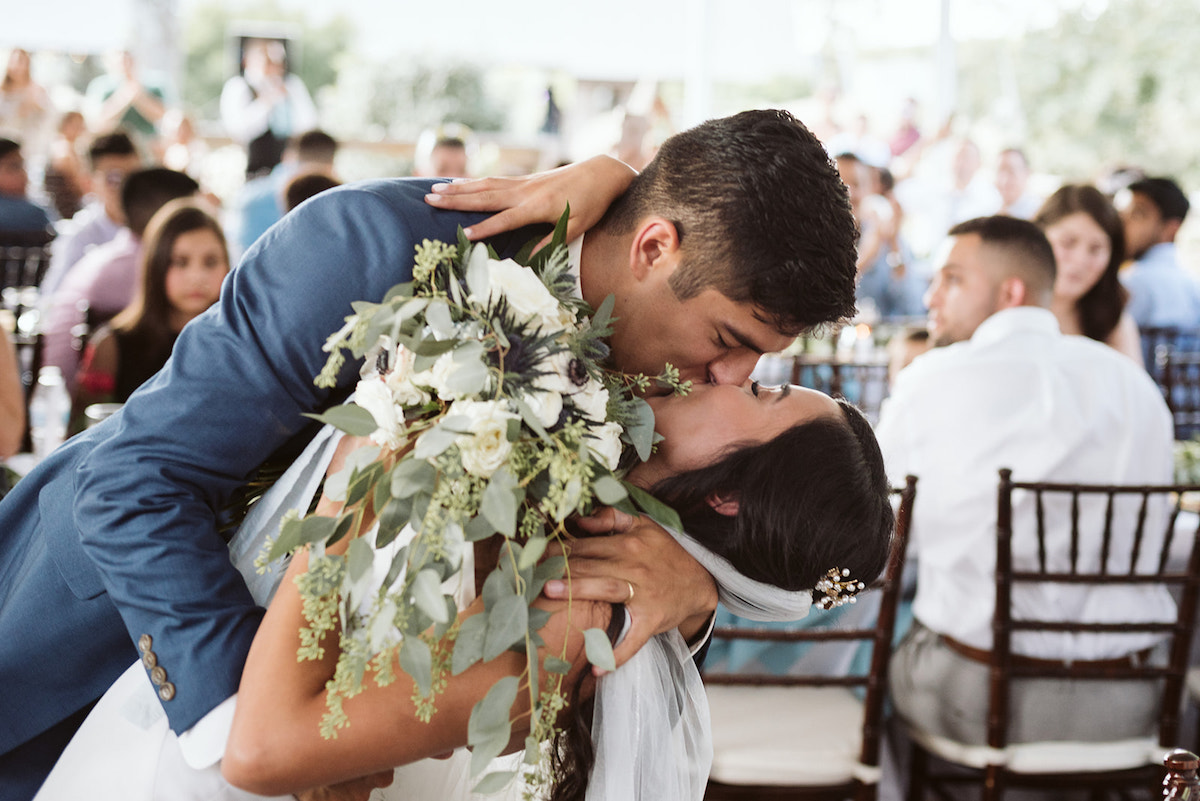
[708, 337]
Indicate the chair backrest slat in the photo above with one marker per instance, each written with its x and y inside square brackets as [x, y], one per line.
[1127, 532]
[880, 637]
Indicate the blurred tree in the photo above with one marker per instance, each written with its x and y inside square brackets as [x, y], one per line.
[1108, 84]
[208, 49]
[409, 98]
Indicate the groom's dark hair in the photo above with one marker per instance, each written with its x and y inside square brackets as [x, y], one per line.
[761, 213]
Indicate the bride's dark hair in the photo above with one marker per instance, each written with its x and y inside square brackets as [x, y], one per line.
[813, 498]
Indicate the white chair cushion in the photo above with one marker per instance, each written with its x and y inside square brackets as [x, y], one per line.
[1047, 757]
[787, 736]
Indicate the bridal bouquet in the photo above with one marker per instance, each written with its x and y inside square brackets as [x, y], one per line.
[489, 413]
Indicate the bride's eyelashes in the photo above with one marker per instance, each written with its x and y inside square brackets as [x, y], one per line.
[754, 388]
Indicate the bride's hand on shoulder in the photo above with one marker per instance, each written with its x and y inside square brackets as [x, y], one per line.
[588, 186]
[669, 588]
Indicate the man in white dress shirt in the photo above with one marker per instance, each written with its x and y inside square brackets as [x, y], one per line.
[1009, 390]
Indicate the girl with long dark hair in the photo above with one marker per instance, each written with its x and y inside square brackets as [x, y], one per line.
[1089, 242]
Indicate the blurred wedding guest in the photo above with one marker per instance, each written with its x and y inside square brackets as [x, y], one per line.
[184, 261]
[306, 185]
[970, 193]
[444, 152]
[1005, 388]
[181, 149]
[265, 105]
[1161, 292]
[26, 110]
[66, 179]
[259, 204]
[106, 280]
[907, 133]
[883, 279]
[1012, 182]
[1089, 242]
[122, 98]
[18, 214]
[111, 157]
[12, 399]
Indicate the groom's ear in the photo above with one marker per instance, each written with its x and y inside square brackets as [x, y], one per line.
[724, 504]
[655, 248]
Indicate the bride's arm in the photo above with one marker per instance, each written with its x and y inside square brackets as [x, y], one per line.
[276, 747]
[588, 186]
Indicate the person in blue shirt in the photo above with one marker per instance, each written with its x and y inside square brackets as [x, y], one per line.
[18, 214]
[1161, 292]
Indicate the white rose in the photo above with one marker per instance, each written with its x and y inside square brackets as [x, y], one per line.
[373, 395]
[605, 444]
[435, 377]
[546, 405]
[527, 296]
[486, 448]
[592, 400]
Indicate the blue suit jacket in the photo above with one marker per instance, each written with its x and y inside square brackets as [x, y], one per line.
[112, 541]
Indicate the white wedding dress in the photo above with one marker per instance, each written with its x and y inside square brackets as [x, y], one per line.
[650, 733]
[125, 750]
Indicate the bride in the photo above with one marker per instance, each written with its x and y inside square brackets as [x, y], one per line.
[782, 484]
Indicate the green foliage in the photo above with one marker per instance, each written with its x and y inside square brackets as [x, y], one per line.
[1099, 89]
[494, 417]
[209, 54]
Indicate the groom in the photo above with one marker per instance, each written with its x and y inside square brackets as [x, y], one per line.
[736, 238]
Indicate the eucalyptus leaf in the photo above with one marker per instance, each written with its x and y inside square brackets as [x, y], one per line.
[468, 646]
[538, 618]
[494, 782]
[662, 514]
[412, 475]
[489, 728]
[344, 523]
[417, 661]
[478, 278]
[500, 501]
[555, 665]
[478, 528]
[532, 552]
[434, 442]
[427, 595]
[392, 519]
[399, 290]
[506, 625]
[336, 486]
[359, 557]
[399, 561]
[295, 533]
[609, 490]
[434, 347]
[354, 420]
[496, 587]
[599, 649]
[362, 481]
[531, 419]
[533, 751]
[471, 374]
[640, 428]
[490, 714]
[437, 317]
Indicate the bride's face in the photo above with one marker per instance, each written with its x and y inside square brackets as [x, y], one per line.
[699, 427]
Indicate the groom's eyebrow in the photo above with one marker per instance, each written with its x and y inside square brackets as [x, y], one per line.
[744, 339]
